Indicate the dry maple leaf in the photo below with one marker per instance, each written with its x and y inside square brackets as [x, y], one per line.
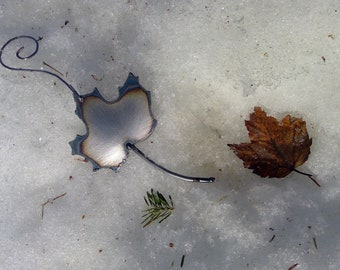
[276, 148]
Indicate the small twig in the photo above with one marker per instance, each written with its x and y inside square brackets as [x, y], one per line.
[61, 74]
[272, 238]
[309, 175]
[220, 199]
[182, 261]
[81, 159]
[315, 245]
[96, 78]
[51, 200]
[293, 266]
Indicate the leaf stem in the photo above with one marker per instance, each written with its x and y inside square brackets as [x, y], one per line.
[160, 167]
[36, 49]
[309, 175]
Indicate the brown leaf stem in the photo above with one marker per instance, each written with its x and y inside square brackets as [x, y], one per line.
[309, 175]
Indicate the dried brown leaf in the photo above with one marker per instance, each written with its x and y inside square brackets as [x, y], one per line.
[276, 148]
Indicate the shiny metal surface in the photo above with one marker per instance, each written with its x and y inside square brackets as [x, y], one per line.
[112, 125]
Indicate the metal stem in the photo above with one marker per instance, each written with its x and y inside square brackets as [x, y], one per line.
[174, 174]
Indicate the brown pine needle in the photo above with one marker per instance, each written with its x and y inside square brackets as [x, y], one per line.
[53, 68]
[293, 266]
[51, 200]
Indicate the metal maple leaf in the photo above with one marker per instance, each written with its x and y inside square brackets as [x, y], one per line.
[276, 148]
[112, 127]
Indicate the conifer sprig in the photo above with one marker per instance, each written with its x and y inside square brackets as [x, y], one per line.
[158, 208]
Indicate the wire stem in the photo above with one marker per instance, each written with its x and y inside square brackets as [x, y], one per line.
[174, 174]
[36, 49]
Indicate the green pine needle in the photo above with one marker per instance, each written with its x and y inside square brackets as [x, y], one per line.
[158, 208]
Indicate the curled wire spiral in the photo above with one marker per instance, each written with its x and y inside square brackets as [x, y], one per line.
[79, 98]
[21, 57]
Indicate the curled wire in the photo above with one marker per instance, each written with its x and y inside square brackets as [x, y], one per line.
[21, 57]
[79, 99]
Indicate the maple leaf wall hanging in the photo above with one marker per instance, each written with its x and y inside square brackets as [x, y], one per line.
[276, 148]
[112, 127]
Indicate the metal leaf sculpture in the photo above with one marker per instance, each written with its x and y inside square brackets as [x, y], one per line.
[112, 127]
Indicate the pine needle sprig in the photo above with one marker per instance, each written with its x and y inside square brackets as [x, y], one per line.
[158, 208]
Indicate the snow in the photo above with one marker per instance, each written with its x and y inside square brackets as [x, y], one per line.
[207, 64]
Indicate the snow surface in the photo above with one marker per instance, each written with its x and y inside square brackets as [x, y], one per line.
[207, 64]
